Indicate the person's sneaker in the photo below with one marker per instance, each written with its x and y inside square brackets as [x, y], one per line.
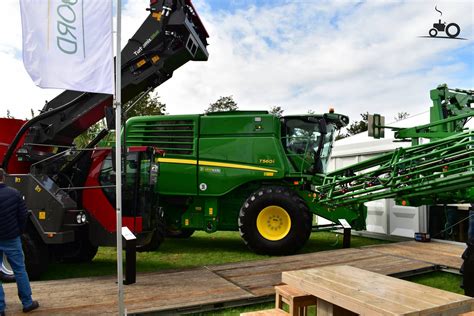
[32, 307]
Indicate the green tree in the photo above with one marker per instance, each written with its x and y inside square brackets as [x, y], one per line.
[147, 105]
[276, 110]
[223, 104]
[355, 128]
[401, 116]
[85, 138]
[358, 126]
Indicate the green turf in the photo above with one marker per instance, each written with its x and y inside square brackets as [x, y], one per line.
[199, 250]
[440, 280]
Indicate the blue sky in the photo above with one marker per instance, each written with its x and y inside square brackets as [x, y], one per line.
[300, 55]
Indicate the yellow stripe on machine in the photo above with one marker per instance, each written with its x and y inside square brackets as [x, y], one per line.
[179, 161]
[234, 166]
[215, 164]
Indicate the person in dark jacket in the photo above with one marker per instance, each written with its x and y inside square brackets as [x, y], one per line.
[13, 217]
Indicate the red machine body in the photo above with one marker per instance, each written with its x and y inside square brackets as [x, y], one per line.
[9, 127]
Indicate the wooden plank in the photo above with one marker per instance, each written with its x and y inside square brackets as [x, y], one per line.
[266, 312]
[260, 279]
[152, 292]
[207, 285]
[434, 252]
[390, 265]
[290, 292]
[365, 292]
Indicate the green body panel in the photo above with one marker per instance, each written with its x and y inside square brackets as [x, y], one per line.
[177, 140]
[234, 150]
[177, 179]
[214, 162]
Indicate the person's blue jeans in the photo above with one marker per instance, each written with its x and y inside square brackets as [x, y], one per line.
[12, 249]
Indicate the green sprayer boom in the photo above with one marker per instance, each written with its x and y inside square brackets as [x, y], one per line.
[438, 172]
[441, 171]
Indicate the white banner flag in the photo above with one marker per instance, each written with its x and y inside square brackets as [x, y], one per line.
[67, 44]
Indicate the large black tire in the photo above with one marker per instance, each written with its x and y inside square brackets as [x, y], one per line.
[275, 221]
[81, 251]
[36, 254]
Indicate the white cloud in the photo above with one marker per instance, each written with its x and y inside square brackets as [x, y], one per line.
[300, 55]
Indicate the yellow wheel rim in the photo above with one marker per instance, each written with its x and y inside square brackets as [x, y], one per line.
[273, 223]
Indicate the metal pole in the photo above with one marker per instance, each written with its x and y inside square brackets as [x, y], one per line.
[118, 159]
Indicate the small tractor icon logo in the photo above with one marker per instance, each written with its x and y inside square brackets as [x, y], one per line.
[452, 29]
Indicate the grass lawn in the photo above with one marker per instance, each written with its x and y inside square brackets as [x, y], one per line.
[198, 250]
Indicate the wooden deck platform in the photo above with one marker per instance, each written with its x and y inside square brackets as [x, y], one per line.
[213, 285]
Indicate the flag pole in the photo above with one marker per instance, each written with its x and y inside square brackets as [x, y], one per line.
[118, 158]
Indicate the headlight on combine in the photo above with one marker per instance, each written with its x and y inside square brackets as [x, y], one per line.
[81, 218]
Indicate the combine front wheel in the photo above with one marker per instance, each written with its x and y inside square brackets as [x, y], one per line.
[275, 221]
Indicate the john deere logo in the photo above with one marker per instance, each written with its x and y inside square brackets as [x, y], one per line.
[444, 30]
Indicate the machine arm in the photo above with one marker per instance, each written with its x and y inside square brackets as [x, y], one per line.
[170, 36]
[450, 111]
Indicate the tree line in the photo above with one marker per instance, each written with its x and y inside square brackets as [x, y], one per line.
[150, 104]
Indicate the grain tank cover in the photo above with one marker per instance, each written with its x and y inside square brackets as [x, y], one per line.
[239, 123]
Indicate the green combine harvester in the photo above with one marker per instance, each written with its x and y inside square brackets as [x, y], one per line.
[266, 176]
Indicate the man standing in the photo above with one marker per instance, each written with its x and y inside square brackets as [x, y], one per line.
[13, 217]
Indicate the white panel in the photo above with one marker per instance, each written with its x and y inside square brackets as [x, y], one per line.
[322, 221]
[331, 165]
[377, 216]
[404, 220]
[342, 162]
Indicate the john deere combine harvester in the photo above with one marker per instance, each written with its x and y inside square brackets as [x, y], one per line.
[266, 176]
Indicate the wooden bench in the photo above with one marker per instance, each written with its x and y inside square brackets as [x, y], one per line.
[340, 289]
[267, 312]
[297, 300]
